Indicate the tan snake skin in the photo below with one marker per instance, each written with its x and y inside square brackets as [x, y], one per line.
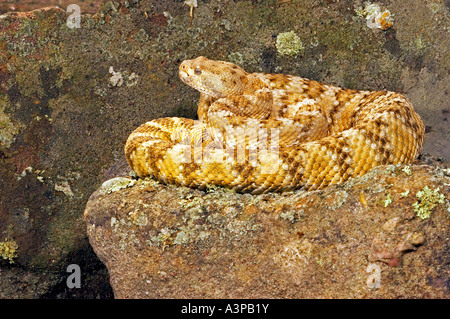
[262, 133]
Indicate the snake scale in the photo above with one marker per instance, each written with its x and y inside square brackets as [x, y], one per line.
[261, 133]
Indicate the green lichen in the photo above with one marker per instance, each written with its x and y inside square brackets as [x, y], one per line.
[341, 197]
[390, 168]
[405, 193]
[427, 199]
[407, 170]
[8, 130]
[215, 188]
[236, 58]
[292, 215]
[192, 204]
[388, 200]
[138, 217]
[125, 232]
[8, 250]
[181, 238]
[288, 43]
[164, 238]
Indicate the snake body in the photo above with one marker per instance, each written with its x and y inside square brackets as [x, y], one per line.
[260, 133]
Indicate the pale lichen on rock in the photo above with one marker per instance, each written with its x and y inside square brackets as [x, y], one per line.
[289, 44]
[115, 184]
[8, 250]
[375, 18]
[8, 130]
[427, 199]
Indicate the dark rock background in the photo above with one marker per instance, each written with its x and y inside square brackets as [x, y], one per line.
[65, 115]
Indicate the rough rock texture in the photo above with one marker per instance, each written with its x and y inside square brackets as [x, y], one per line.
[86, 6]
[173, 242]
[69, 98]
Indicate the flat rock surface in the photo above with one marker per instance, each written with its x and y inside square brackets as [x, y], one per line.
[362, 239]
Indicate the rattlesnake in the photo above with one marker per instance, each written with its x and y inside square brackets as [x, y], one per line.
[271, 132]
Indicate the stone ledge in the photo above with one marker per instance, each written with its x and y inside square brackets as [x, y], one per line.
[161, 241]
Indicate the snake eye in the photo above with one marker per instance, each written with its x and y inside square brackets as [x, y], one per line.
[198, 71]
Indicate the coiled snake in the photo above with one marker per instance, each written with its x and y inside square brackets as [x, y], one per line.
[260, 132]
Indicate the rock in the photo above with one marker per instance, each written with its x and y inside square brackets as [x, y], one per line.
[86, 6]
[164, 241]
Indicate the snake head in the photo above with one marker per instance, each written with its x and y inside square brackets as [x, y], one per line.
[213, 78]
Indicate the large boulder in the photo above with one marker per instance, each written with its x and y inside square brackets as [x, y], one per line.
[384, 235]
